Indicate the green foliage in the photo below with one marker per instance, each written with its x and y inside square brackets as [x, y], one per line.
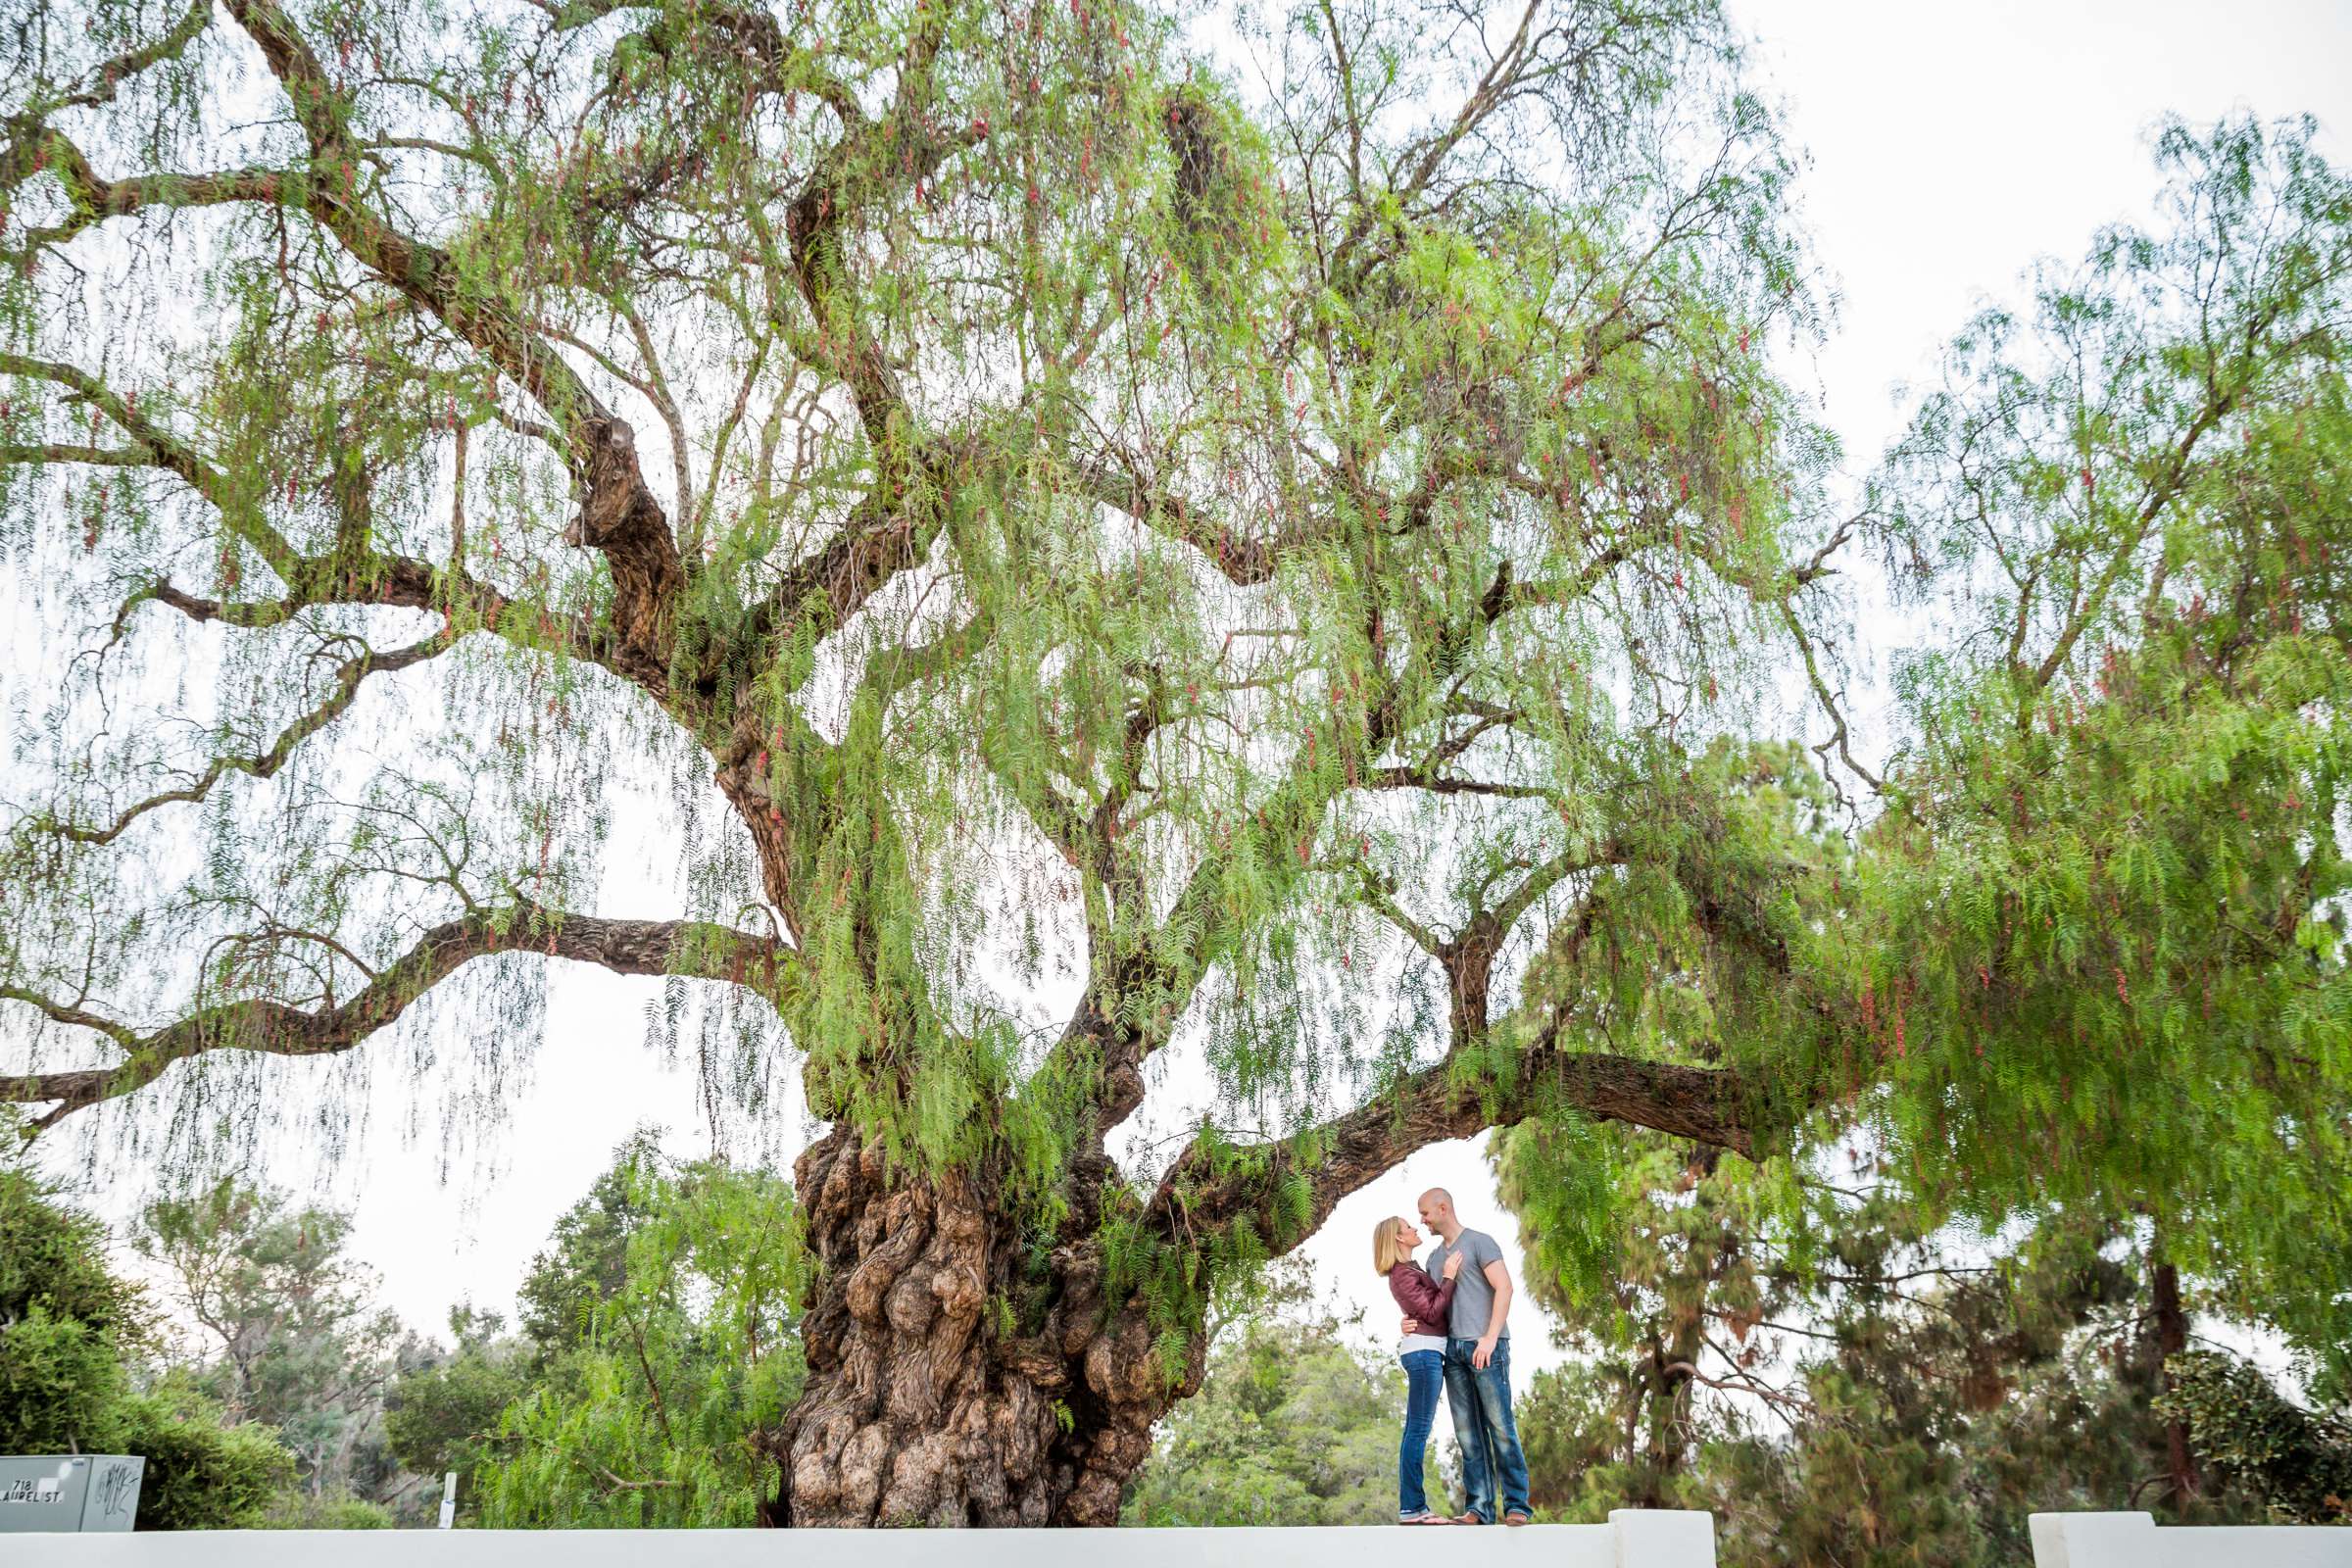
[299, 1510]
[2298, 1462]
[201, 1473]
[2082, 975]
[586, 1260]
[76, 1374]
[671, 1294]
[66, 1320]
[296, 1342]
[444, 1414]
[1292, 1426]
[2097, 960]
[62, 1384]
[1829, 1367]
[2084, 962]
[53, 1260]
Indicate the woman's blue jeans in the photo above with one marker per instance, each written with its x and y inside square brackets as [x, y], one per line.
[1424, 1381]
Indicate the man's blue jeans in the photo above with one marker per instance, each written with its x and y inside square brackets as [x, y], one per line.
[1481, 1402]
[1425, 1375]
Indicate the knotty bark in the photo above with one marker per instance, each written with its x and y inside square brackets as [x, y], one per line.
[925, 1405]
[620, 518]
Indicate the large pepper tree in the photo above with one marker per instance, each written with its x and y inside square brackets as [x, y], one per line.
[1294, 543]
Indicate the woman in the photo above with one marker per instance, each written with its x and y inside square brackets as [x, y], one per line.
[1423, 1355]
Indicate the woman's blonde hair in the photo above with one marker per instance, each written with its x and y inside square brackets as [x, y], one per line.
[1385, 1252]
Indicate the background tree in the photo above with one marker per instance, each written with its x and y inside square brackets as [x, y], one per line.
[586, 1262]
[1210, 548]
[659, 1341]
[2298, 1461]
[78, 1374]
[648, 1395]
[1292, 1425]
[297, 1341]
[1845, 1379]
[442, 1412]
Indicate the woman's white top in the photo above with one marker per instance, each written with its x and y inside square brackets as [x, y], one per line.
[1421, 1342]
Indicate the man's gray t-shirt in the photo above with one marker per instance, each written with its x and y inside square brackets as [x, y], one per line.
[1473, 1296]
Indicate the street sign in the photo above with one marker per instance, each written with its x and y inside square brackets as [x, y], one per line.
[69, 1493]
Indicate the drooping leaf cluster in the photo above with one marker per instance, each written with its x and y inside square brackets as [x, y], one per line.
[2098, 958]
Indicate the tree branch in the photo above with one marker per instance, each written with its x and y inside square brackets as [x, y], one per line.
[1243, 562]
[620, 515]
[347, 574]
[625, 946]
[349, 677]
[1211, 1186]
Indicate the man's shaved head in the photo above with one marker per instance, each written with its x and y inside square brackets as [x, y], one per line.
[1437, 1212]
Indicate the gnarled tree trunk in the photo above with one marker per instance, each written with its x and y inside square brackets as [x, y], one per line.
[920, 1407]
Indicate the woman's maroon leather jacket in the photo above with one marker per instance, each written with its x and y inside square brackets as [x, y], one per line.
[1421, 1297]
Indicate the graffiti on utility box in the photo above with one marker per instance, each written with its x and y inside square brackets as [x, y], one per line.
[69, 1493]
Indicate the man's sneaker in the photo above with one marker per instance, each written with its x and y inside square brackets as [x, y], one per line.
[1424, 1517]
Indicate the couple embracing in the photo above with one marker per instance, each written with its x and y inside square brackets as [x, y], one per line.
[1457, 1336]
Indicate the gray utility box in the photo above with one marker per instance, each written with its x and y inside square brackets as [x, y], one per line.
[70, 1491]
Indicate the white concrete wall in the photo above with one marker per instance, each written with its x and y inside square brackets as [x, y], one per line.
[1632, 1539]
[2136, 1540]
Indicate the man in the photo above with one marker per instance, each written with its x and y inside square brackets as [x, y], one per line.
[1477, 1364]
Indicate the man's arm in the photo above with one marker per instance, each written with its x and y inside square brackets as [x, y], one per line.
[1499, 1275]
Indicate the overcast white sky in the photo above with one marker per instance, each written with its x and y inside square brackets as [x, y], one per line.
[1951, 145]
